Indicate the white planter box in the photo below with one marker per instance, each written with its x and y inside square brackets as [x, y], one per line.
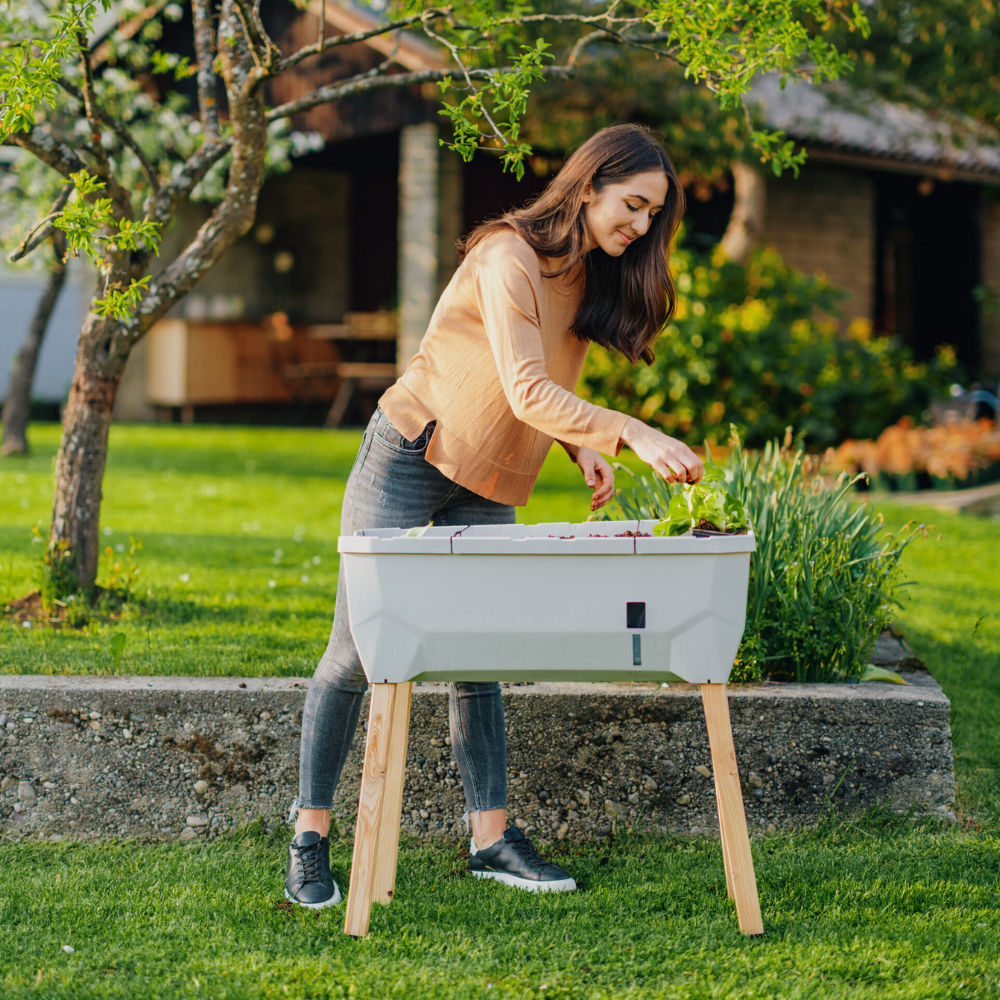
[546, 602]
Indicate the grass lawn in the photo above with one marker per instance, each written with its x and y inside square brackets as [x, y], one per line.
[852, 913]
[239, 547]
[859, 909]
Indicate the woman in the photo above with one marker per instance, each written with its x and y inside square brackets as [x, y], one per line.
[461, 436]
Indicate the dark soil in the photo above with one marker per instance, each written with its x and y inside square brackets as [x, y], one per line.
[29, 608]
[62, 614]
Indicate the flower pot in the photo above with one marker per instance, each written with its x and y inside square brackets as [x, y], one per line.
[566, 602]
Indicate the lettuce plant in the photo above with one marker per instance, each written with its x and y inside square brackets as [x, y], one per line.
[706, 506]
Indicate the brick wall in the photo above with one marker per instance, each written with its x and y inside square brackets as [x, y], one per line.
[991, 276]
[825, 221]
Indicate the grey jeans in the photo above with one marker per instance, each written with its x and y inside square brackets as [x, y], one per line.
[392, 485]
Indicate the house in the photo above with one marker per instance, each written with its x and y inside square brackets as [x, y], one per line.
[310, 315]
[364, 227]
[900, 209]
[897, 208]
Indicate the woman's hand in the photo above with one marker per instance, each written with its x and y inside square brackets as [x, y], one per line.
[671, 458]
[597, 473]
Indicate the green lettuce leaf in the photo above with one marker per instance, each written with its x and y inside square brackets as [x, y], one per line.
[705, 505]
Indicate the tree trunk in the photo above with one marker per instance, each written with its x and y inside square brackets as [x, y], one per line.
[74, 541]
[104, 346]
[749, 209]
[22, 372]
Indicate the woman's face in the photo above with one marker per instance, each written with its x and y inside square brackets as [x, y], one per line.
[621, 212]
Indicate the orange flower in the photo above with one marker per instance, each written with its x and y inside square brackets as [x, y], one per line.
[944, 451]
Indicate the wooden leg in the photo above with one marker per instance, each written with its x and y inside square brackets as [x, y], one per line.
[727, 863]
[732, 819]
[339, 407]
[392, 807]
[371, 803]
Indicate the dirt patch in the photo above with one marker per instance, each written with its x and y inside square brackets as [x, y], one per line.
[200, 744]
[30, 609]
[74, 612]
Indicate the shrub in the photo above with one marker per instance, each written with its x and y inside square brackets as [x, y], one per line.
[749, 346]
[824, 575]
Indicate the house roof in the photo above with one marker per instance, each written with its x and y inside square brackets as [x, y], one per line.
[835, 123]
[409, 51]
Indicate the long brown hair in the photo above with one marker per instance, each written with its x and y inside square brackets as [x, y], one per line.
[628, 299]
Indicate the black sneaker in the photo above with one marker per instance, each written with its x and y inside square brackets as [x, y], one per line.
[308, 881]
[514, 861]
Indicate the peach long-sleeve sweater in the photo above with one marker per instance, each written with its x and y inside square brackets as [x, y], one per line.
[497, 369]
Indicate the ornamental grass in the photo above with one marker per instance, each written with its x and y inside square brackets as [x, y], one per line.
[824, 576]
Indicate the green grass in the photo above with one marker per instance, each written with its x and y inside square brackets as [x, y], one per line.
[858, 909]
[213, 507]
[852, 913]
[951, 618]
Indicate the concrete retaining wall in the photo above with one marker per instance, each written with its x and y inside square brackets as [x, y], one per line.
[192, 757]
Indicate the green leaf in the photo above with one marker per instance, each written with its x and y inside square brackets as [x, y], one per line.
[713, 474]
[122, 303]
[117, 647]
[704, 503]
[873, 673]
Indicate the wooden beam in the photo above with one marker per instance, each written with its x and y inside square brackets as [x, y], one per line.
[406, 50]
[371, 802]
[732, 819]
[392, 808]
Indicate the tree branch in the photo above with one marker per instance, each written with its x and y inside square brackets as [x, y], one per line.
[199, 164]
[234, 215]
[187, 178]
[453, 49]
[607, 17]
[581, 43]
[363, 83]
[90, 106]
[208, 86]
[44, 229]
[358, 36]
[120, 130]
[49, 150]
[263, 50]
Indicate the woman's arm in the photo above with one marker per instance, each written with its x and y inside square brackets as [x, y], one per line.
[671, 458]
[508, 281]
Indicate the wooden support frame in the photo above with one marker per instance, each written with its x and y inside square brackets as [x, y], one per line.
[740, 880]
[380, 804]
[376, 838]
[371, 801]
[392, 806]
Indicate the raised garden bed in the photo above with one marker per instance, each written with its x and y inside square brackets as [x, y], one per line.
[594, 601]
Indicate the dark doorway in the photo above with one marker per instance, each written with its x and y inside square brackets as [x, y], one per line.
[373, 163]
[706, 215]
[928, 260]
[491, 191]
